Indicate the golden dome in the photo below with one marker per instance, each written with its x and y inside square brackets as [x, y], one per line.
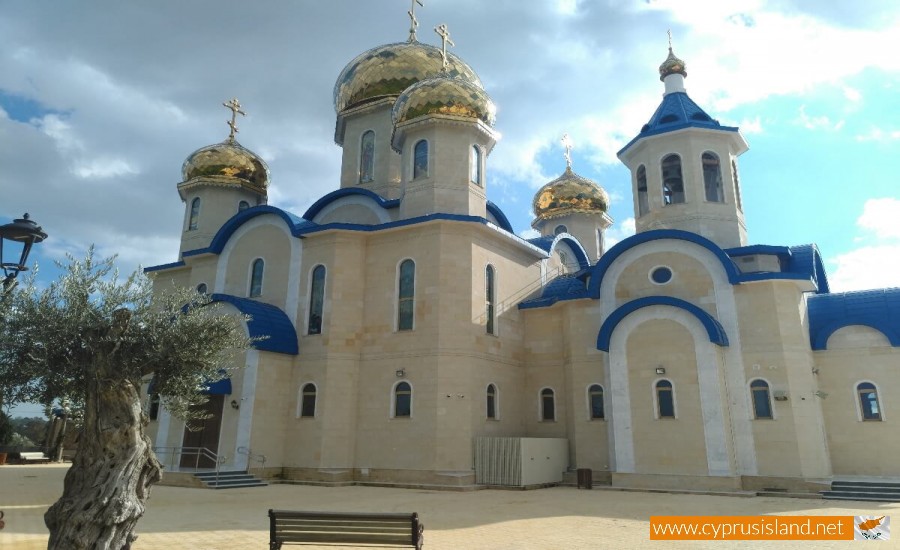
[228, 163]
[567, 194]
[387, 70]
[444, 95]
[672, 65]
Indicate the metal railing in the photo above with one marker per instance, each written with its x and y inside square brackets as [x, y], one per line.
[176, 456]
[259, 457]
[528, 289]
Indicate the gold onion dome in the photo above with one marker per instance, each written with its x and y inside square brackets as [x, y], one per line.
[227, 163]
[568, 194]
[672, 65]
[387, 70]
[444, 95]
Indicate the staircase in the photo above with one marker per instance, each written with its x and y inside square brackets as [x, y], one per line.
[229, 480]
[879, 491]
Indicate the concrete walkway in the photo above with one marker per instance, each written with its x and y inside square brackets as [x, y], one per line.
[553, 518]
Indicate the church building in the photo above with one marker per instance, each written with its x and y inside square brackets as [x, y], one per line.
[414, 339]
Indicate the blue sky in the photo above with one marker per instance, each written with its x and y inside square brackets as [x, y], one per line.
[99, 108]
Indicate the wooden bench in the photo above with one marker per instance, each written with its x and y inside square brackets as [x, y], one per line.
[37, 457]
[287, 527]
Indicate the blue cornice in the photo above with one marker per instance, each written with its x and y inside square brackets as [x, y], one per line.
[317, 206]
[714, 329]
[162, 267]
[267, 322]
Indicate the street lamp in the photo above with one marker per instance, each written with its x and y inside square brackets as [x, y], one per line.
[22, 231]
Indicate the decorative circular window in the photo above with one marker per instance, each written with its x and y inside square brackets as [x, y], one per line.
[560, 229]
[660, 275]
[201, 288]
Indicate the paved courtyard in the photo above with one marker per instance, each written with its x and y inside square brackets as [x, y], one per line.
[553, 518]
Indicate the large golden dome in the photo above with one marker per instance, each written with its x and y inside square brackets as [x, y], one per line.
[444, 95]
[227, 163]
[672, 65]
[567, 194]
[387, 70]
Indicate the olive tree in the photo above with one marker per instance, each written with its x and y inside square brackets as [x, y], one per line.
[92, 337]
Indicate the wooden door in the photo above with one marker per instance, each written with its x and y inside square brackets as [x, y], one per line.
[207, 436]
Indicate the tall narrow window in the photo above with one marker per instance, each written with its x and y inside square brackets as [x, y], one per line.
[367, 157]
[195, 214]
[406, 295]
[402, 400]
[673, 184]
[308, 401]
[665, 399]
[762, 403]
[595, 395]
[243, 205]
[256, 277]
[316, 300]
[737, 184]
[492, 402]
[476, 165]
[420, 160]
[548, 405]
[154, 406]
[712, 177]
[489, 298]
[643, 202]
[868, 401]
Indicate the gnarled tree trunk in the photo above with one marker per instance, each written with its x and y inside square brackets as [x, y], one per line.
[111, 474]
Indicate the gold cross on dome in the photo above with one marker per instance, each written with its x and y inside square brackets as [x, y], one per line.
[442, 31]
[413, 22]
[567, 143]
[669, 32]
[235, 107]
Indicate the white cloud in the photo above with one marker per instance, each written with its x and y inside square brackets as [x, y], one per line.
[852, 94]
[817, 122]
[882, 217]
[103, 168]
[877, 134]
[529, 234]
[617, 233]
[875, 265]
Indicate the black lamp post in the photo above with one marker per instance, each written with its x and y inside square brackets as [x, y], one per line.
[22, 231]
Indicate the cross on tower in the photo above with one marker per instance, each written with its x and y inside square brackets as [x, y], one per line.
[413, 22]
[235, 107]
[567, 143]
[669, 32]
[442, 31]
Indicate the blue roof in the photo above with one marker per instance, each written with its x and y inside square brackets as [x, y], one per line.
[675, 112]
[498, 214]
[266, 321]
[714, 329]
[877, 309]
[564, 287]
[548, 243]
[317, 206]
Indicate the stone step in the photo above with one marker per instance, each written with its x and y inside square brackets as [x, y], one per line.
[887, 484]
[855, 495]
[229, 480]
[865, 488]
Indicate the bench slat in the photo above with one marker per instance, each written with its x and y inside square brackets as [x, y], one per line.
[348, 529]
[288, 526]
[343, 537]
[339, 523]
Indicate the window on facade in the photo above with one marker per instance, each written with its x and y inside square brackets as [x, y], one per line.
[712, 177]
[195, 214]
[762, 403]
[489, 298]
[476, 165]
[560, 229]
[154, 406]
[367, 157]
[243, 205]
[406, 295]
[402, 400]
[201, 288]
[420, 160]
[491, 402]
[308, 401]
[665, 400]
[316, 300]
[643, 201]
[548, 405]
[595, 395]
[737, 184]
[256, 277]
[673, 184]
[868, 401]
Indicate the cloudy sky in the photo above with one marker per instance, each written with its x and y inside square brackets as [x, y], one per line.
[100, 103]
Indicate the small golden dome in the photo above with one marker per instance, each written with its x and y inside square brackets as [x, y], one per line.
[567, 194]
[387, 70]
[229, 163]
[444, 95]
[672, 65]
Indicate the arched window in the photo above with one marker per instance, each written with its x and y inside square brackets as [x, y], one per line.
[402, 400]
[308, 401]
[154, 406]
[316, 300]
[420, 159]
[201, 288]
[665, 399]
[868, 401]
[712, 177]
[560, 229]
[489, 298]
[367, 157]
[406, 295]
[737, 184]
[492, 402]
[595, 398]
[256, 277]
[548, 405]
[762, 403]
[243, 205]
[195, 214]
[476, 165]
[643, 201]
[673, 184]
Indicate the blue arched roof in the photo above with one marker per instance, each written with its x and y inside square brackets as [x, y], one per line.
[317, 206]
[498, 214]
[713, 328]
[224, 233]
[877, 309]
[548, 243]
[266, 321]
